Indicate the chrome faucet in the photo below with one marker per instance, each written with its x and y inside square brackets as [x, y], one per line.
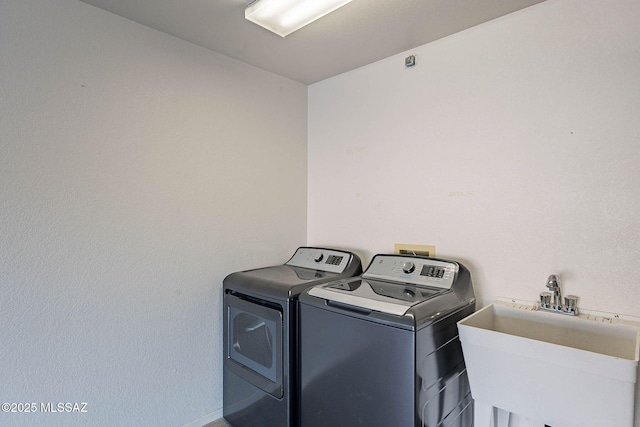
[553, 284]
[570, 301]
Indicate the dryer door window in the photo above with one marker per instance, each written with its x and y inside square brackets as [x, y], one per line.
[255, 343]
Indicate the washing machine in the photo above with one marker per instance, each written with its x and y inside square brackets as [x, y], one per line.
[382, 349]
[261, 336]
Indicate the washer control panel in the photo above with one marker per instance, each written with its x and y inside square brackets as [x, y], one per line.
[320, 259]
[414, 270]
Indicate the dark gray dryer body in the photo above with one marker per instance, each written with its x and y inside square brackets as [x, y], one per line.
[260, 334]
[382, 349]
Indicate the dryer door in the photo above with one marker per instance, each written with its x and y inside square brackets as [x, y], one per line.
[253, 341]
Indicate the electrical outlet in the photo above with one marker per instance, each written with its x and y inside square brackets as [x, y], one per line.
[421, 250]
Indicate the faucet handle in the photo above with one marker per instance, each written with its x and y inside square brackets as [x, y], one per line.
[545, 299]
[571, 303]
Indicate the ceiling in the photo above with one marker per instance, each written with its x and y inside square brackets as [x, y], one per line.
[359, 33]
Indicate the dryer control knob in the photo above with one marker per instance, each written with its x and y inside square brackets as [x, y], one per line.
[319, 256]
[408, 267]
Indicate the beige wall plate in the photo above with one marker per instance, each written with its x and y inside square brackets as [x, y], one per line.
[408, 249]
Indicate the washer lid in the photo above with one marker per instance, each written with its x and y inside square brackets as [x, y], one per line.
[385, 297]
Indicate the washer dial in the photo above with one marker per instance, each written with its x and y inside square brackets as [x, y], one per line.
[408, 267]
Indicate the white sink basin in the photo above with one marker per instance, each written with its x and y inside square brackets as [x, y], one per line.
[564, 371]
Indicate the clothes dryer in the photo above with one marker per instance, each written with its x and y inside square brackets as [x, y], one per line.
[261, 336]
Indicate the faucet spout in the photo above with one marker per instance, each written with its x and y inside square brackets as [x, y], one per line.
[553, 284]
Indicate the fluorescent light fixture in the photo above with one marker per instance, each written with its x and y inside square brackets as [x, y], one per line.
[286, 16]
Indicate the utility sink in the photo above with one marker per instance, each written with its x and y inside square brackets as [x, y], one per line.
[564, 371]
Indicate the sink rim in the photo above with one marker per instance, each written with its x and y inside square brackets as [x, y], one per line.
[622, 368]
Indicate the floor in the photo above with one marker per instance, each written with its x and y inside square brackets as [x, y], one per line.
[218, 423]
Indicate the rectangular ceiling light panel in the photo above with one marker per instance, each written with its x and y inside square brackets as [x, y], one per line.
[286, 16]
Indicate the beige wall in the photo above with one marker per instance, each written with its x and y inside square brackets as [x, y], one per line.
[136, 171]
[512, 146]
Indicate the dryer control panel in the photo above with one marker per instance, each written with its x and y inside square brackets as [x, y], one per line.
[414, 270]
[329, 260]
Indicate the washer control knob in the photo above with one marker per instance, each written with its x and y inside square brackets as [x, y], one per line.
[319, 256]
[408, 267]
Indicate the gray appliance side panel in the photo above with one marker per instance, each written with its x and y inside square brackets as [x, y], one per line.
[439, 338]
[443, 392]
[355, 372]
